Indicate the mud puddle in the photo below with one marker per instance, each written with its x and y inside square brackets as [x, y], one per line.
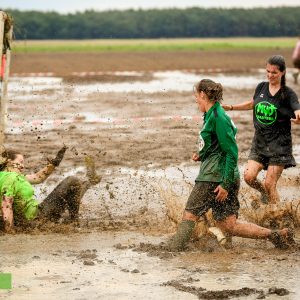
[93, 265]
[115, 253]
[162, 82]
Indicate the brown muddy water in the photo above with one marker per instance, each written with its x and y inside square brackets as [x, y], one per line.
[142, 134]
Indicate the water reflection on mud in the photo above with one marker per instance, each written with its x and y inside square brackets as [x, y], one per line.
[159, 82]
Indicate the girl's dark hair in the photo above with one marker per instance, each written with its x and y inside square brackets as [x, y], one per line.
[5, 156]
[213, 90]
[278, 60]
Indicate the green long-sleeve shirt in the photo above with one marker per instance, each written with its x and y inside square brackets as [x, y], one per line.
[15, 185]
[218, 149]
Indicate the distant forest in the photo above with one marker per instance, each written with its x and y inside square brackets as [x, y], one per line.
[166, 23]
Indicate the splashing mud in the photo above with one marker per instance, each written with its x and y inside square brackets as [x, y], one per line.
[116, 251]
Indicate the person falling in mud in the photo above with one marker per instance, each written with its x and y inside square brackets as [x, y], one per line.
[17, 195]
[217, 184]
[274, 106]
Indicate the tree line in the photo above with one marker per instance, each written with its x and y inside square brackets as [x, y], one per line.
[166, 23]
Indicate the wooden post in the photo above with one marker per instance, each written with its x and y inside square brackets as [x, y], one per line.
[4, 80]
[2, 19]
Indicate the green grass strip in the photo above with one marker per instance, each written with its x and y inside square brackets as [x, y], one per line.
[156, 45]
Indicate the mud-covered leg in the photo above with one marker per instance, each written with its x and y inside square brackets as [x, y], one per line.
[74, 196]
[184, 232]
[181, 238]
[66, 195]
[250, 176]
[272, 177]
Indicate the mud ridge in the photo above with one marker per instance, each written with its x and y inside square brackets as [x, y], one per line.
[202, 293]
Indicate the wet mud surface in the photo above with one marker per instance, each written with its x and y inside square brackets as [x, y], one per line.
[108, 265]
[65, 63]
[202, 293]
[142, 141]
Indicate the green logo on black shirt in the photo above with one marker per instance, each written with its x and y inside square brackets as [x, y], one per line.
[266, 113]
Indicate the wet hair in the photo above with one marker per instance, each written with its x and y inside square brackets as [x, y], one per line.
[5, 156]
[213, 90]
[278, 60]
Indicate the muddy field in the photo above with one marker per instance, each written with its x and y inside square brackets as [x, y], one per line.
[136, 114]
[66, 63]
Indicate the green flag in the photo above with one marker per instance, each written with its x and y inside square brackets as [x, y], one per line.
[5, 281]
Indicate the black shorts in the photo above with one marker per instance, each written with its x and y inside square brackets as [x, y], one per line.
[202, 198]
[286, 161]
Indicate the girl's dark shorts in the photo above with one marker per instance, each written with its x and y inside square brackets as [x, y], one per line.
[286, 161]
[203, 197]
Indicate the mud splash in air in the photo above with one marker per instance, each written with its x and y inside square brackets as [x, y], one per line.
[141, 128]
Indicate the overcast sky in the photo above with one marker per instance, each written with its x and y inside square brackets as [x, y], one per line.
[80, 5]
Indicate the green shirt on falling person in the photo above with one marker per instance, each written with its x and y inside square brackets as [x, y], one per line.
[16, 185]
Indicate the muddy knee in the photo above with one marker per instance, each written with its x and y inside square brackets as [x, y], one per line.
[249, 178]
[228, 225]
[72, 182]
[227, 228]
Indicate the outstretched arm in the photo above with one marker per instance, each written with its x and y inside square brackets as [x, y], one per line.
[44, 173]
[297, 117]
[247, 105]
[7, 213]
[41, 175]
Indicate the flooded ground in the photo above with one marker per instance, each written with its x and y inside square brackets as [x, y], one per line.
[109, 265]
[141, 126]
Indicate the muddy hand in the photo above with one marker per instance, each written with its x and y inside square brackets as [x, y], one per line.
[195, 157]
[227, 106]
[297, 117]
[59, 156]
[221, 193]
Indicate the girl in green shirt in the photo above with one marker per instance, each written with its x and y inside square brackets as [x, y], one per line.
[17, 195]
[217, 184]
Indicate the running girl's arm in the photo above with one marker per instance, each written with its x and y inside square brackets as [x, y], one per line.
[195, 157]
[41, 175]
[44, 173]
[7, 213]
[228, 144]
[247, 105]
[297, 117]
[294, 103]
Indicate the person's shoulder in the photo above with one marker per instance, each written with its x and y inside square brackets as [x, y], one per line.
[262, 84]
[260, 87]
[220, 114]
[8, 179]
[12, 175]
[290, 92]
[289, 89]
